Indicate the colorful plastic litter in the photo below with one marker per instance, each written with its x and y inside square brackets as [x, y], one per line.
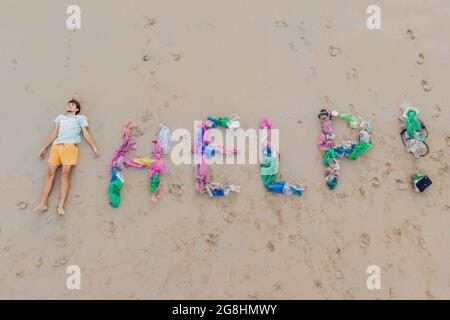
[270, 165]
[331, 153]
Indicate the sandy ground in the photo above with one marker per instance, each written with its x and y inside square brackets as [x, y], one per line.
[255, 58]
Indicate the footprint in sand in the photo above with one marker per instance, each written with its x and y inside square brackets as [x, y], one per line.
[257, 224]
[338, 274]
[430, 204]
[149, 22]
[444, 169]
[426, 85]
[429, 294]
[270, 246]
[402, 185]
[388, 169]
[341, 195]
[421, 243]
[39, 263]
[301, 29]
[437, 155]
[67, 64]
[397, 232]
[292, 238]
[21, 205]
[146, 58]
[329, 24]
[447, 140]
[78, 199]
[364, 241]
[362, 191]
[355, 74]
[420, 59]
[28, 89]
[352, 75]
[60, 241]
[392, 292]
[60, 261]
[277, 286]
[436, 113]
[306, 43]
[148, 115]
[176, 189]
[281, 24]
[229, 216]
[349, 295]
[83, 68]
[108, 228]
[135, 67]
[212, 239]
[176, 56]
[375, 182]
[292, 47]
[334, 51]
[318, 283]
[410, 34]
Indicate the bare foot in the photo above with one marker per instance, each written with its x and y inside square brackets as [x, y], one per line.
[39, 208]
[61, 211]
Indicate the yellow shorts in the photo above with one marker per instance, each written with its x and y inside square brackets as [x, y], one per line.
[63, 154]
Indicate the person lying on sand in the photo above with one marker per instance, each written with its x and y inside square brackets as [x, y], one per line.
[64, 151]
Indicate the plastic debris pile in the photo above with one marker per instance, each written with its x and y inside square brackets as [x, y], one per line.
[155, 163]
[332, 153]
[270, 164]
[414, 136]
[413, 131]
[203, 151]
[117, 164]
[420, 181]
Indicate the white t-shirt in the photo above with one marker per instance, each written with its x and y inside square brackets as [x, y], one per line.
[70, 128]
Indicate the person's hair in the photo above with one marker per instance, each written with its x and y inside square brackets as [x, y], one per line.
[75, 102]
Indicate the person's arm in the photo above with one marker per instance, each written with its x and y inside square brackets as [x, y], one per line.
[53, 135]
[89, 139]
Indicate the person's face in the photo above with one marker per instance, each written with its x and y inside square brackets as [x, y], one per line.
[72, 108]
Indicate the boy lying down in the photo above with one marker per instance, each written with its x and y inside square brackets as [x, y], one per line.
[64, 152]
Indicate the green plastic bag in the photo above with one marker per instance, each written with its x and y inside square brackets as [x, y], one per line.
[412, 123]
[352, 121]
[268, 169]
[269, 166]
[416, 176]
[154, 182]
[268, 179]
[329, 154]
[359, 149]
[221, 122]
[114, 193]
